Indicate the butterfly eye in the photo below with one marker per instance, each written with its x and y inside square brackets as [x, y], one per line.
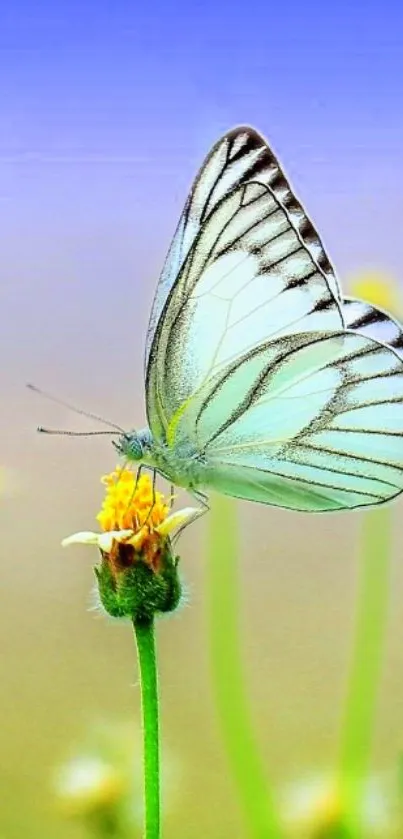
[130, 446]
[134, 448]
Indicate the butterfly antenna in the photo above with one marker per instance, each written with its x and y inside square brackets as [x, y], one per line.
[75, 411]
[64, 433]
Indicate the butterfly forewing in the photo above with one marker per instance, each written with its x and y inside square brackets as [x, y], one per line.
[247, 278]
[238, 158]
[377, 324]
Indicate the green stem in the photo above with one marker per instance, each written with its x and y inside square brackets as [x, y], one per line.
[145, 639]
[228, 676]
[370, 631]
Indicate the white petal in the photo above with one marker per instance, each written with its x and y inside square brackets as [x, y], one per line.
[178, 519]
[105, 539]
[100, 540]
[85, 537]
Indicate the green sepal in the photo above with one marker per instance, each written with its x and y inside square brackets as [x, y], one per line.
[138, 592]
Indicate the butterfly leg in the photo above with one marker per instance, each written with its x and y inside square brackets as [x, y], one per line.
[138, 475]
[202, 498]
[146, 520]
[204, 508]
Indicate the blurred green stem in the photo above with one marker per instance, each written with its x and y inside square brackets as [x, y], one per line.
[228, 677]
[370, 630]
[145, 639]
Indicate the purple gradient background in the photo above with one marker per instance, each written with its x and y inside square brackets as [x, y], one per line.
[107, 111]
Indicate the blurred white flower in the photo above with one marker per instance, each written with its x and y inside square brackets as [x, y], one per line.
[312, 808]
[87, 783]
[104, 777]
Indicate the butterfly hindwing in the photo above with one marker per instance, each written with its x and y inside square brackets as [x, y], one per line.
[307, 424]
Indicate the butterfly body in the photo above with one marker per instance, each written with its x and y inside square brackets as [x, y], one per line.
[184, 467]
[262, 381]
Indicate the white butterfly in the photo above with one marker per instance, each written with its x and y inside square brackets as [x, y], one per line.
[262, 381]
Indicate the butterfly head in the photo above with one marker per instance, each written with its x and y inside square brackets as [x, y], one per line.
[133, 445]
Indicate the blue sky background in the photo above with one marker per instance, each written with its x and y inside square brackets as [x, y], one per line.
[107, 111]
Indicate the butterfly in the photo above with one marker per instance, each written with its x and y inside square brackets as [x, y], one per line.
[262, 381]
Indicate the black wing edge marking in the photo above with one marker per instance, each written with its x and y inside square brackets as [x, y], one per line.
[370, 316]
[280, 187]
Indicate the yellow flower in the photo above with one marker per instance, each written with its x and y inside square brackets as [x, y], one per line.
[129, 503]
[379, 289]
[138, 576]
[135, 515]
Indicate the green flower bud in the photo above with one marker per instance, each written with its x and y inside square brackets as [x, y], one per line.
[130, 587]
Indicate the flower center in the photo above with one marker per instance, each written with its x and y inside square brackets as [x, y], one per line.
[131, 503]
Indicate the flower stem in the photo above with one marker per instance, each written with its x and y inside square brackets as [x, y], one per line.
[145, 640]
[228, 676]
[371, 622]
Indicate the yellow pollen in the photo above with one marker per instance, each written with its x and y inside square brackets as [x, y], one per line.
[130, 503]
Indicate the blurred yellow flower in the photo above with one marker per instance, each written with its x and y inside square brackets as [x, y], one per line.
[379, 289]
